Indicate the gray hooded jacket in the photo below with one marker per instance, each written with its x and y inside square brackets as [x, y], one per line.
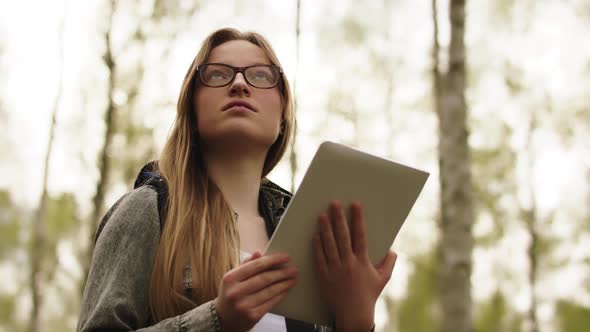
[116, 292]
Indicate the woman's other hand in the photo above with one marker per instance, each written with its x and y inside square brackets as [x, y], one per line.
[349, 281]
[250, 290]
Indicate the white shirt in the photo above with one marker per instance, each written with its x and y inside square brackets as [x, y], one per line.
[269, 322]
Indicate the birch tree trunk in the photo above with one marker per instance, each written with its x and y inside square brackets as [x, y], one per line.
[530, 217]
[456, 241]
[109, 117]
[293, 155]
[104, 156]
[39, 236]
[389, 68]
[436, 74]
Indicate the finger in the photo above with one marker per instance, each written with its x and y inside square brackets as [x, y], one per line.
[265, 307]
[319, 256]
[359, 231]
[328, 241]
[385, 267]
[255, 254]
[265, 279]
[267, 293]
[341, 231]
[256, 266]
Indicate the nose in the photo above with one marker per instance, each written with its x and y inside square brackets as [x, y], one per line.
[239, 86]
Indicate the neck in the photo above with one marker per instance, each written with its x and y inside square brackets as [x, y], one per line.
[237, 173]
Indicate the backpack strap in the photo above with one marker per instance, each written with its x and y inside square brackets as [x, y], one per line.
[150, 176]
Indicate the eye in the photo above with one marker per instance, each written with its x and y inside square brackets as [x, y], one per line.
[260, 74]
[217, 75]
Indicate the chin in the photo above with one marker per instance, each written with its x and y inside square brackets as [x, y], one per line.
[240, 138]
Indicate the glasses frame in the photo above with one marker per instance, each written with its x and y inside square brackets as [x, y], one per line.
[237, 70]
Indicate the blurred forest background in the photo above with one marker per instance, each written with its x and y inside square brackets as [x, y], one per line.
[490, 96]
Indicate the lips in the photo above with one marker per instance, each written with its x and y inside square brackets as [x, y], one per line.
[239, 104]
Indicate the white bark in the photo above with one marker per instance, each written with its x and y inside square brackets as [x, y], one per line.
[39, 236]
[293, 155]
[456, 240]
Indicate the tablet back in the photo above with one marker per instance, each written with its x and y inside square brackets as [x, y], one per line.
[387, 191]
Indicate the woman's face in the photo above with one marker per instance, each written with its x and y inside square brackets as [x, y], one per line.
[258, 122]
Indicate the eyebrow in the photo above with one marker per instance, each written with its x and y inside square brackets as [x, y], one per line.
[252, 64]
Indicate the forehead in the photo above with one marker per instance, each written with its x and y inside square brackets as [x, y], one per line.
[238, 53]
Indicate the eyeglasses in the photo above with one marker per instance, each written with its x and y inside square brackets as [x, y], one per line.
[216, 75]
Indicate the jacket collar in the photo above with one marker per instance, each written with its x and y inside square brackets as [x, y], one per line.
[273, 201]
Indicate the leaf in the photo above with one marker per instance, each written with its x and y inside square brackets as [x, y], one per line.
[572, 317]
[61, 219]
[7, 307]
[495, 314]
[493, 169]
[416, 312]
[491, 314]
[354, 32]
[62, 216]
[10, 225]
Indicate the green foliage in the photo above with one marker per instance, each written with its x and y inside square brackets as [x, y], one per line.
[139, 148]
[133, 142]
[495, 315]
[172, 9]
[10, 229]
[504, 14]
[513, 76]
[346, 32]
[62, 216]
[7, 308]
[572, 317]
[10, 225]
[416, 312]
[546, 244]
[61, 220]
[491, 314]
[354, 32]
[8, 322]
[493, 174]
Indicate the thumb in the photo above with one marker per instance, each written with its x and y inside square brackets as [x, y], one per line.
[385, 266]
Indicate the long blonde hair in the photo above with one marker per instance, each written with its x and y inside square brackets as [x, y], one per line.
[199, 227]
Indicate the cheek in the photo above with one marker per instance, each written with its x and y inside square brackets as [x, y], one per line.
[276, 102]
[202, 107]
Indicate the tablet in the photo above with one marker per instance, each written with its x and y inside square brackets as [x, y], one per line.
[387, 191]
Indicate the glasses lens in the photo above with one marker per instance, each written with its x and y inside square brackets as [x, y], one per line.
[262, 76]
[216, 75]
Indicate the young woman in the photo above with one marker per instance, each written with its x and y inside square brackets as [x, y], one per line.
[196, 264]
